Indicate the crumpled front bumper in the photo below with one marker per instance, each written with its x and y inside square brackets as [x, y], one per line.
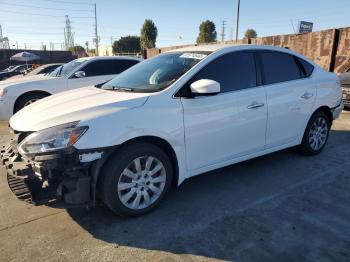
[52, 180]
[21, 178]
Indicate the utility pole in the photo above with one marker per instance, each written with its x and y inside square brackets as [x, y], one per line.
[96, 35]
[4, 41]
[237, 24]
[68, 35]
[223, 31]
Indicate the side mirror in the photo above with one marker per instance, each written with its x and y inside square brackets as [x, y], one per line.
[205, 87]
[79, 74]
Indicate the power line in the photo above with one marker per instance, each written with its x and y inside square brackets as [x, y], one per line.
[68, 2]
[46, 8]
[25, 13]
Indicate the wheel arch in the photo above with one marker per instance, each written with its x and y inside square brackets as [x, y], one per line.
[328, 112]
[98, 166]
[325, 109]
[28, 93]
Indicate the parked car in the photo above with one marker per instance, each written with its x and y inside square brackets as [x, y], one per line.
[18, 93]
[41, 70]
[12, 71]
[166, 119]
[345, 83]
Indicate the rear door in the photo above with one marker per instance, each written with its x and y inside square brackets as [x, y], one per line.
[222, 127]
[100, 71]
[291, 94]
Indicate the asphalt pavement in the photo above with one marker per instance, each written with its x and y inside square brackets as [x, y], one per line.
[279, 207]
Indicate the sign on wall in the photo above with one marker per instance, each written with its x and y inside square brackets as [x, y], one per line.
[305, 27]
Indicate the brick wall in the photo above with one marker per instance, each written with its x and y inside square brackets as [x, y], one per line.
[46, 57]
[328, 48]
[342, 60]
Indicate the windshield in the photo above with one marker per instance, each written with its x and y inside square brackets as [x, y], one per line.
[66, 69]
[155, 74]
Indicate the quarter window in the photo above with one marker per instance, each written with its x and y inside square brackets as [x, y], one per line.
[234, 71]
[306, 66]
[279, 67]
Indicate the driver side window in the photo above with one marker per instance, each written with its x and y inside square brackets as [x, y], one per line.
[234, 71]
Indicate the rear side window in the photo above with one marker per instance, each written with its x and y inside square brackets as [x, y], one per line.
[234, 71]
[306, 67]
[279, 67]
[108, 67]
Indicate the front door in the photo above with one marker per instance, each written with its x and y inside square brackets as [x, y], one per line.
[228, 125]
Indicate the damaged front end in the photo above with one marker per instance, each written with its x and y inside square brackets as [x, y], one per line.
[50, 177]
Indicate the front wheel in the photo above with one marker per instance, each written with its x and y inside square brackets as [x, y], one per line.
[28, 99]
[316, 134]
[135, 179]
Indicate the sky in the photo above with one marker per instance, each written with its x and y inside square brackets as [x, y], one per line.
[36, 22]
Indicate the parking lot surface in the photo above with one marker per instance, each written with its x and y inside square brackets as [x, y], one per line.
[280, 207]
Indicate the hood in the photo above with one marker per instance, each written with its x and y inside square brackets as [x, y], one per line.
[76, 105]
[26, 79]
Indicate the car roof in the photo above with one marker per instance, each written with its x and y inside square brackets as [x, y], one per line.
[217, 47]
[201, 48]
[211, 48]
[113, 57]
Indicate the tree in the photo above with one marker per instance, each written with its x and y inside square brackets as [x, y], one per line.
[250, 33]
[207, 32]
[77, 48]
[126, 44]
[149, 33]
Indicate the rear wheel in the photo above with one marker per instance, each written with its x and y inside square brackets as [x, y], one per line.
[28, 99]
[316, 134]
[136, 179]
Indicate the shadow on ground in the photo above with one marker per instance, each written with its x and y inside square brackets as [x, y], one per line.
[282, 206]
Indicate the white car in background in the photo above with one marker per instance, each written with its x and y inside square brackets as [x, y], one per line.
[18, 93]
[345, 83]
[166, 119]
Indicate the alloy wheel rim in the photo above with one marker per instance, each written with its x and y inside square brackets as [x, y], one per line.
[31, 101]
[142, 182]
[318, 133]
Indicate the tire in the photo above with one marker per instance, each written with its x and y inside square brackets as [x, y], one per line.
[316, 134]
[118, 187]
[28, 99]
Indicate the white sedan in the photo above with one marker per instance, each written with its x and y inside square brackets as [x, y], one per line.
[18, 93]
[166, 119]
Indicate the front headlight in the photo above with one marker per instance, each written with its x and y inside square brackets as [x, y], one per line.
[3, 93]
[52, 139]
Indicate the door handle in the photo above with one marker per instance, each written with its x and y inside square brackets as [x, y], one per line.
[255, 105]
[307, 95]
